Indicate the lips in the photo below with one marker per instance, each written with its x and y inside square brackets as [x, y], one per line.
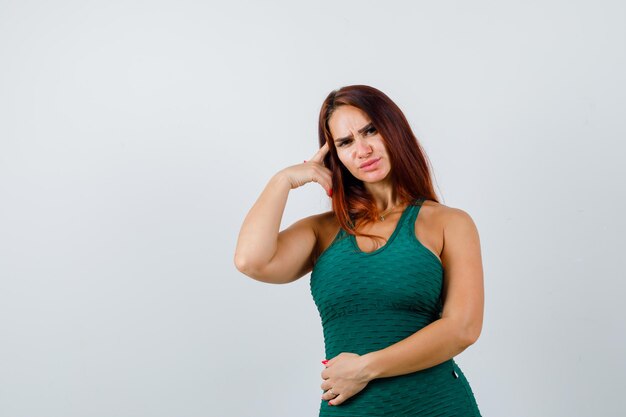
[367, 163]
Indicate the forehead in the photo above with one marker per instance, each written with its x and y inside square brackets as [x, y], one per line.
[346, 120]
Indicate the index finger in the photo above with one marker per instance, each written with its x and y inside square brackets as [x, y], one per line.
[320, 154]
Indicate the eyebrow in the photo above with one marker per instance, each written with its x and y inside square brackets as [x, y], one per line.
[361, 130]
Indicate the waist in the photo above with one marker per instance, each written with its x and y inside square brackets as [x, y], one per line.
[409, 394]
[366, 330]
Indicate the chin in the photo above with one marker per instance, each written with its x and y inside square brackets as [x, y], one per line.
[374, 178]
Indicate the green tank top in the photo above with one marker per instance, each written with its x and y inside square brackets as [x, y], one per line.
[370, 300]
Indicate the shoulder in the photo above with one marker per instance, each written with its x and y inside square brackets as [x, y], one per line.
[448, 218]
[460, 234]
[455, 227]
[324, 223]
[320, 223]
[458, 240]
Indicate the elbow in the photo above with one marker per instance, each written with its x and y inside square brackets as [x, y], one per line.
[470, 334]
[465, 330]
[263, 272]
[251, 270]
[243, 265]
[239, 262]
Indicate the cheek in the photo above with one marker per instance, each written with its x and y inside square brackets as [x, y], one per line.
[381, 145]
[344, 159]
[341, 155]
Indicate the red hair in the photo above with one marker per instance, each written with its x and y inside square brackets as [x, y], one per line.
[410, 168]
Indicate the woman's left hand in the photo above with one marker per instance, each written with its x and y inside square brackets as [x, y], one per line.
[346, 375]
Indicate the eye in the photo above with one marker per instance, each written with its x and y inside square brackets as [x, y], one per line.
[343, 142]
[371, 130]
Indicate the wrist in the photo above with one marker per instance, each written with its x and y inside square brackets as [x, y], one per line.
[370, 365]
[282, 180]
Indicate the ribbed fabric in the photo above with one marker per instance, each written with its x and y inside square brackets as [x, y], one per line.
[370, 300]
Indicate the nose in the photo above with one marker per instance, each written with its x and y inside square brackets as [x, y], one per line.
[363, 148]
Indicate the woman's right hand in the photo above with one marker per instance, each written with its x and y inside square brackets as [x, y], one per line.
[312, 170]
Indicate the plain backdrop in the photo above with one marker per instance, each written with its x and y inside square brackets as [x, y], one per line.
[136, 135]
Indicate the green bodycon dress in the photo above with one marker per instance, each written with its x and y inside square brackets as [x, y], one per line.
[370, 300]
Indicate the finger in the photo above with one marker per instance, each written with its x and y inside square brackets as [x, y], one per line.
[338, 399]
[323, 177]
[327, 396]
[320, 154]
[331, 361]
[326, 181]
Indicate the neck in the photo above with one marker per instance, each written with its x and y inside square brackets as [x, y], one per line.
[383, 194]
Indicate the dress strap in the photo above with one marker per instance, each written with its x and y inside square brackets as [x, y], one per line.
[413, 211]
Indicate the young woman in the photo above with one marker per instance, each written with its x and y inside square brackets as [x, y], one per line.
[399, 295]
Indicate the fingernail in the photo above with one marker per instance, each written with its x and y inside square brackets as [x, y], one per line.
[330, 192]
[305, 160]
[329, 403]
[325, 361]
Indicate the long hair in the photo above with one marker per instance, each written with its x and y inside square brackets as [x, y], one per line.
[410, 174]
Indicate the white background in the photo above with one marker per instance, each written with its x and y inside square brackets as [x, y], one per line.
[136, 135]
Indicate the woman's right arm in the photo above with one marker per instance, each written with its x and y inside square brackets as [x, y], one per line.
[264, 253]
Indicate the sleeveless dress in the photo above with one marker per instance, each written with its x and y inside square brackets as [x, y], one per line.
[370, 300]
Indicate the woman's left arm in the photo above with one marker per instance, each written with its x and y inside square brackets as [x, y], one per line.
[459, 326]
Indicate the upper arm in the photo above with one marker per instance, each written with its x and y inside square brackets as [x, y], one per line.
[463, 291]
[293, 258]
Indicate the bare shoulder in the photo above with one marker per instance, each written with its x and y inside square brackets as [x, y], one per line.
[445, 217]
[438, 226]
[317, 221]
[321, 224]
[324, 224]
[460, 241]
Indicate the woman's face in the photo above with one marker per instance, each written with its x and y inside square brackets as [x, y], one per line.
[359, 145]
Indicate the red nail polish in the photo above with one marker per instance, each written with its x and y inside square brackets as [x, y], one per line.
[325, 361]
[330, 192]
